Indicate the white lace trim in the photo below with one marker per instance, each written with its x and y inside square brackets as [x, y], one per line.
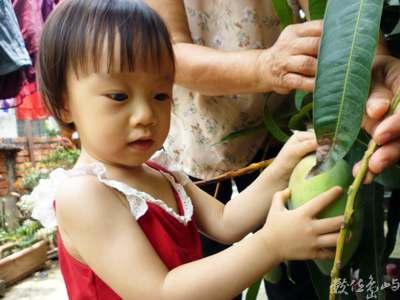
[45, 193]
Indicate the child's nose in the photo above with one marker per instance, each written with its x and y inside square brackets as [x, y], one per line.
[142, 114]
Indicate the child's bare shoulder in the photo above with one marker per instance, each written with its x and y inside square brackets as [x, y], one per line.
[83, 194]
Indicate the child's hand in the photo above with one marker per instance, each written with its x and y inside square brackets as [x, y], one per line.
[297, 234]
[298, 146]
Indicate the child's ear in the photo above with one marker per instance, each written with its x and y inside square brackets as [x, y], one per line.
[66, 115]
[66, 112]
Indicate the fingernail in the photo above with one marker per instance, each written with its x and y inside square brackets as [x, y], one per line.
[375, 103]
[383, 138]
[383, 165]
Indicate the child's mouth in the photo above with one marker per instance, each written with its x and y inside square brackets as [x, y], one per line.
[141, 145]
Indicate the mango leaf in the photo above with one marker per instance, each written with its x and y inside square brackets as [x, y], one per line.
[302, 98]
[244, 132]
[372, 243]
[393, 219]
[296, 122]
[252, 291]
[272, 126]
[348, 45]
[284, 12]
[320, 281]
[317, 9]
[389, 177]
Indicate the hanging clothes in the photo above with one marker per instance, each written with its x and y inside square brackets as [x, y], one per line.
[14, 57]
[31, 15]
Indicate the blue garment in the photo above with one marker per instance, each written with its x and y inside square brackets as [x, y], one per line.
[14, 57]
[13, 53]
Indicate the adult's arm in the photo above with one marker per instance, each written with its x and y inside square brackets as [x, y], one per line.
[281, 68]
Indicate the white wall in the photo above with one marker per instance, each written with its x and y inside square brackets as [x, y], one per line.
[8, 123]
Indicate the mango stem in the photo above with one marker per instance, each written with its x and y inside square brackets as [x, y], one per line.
[352, 192]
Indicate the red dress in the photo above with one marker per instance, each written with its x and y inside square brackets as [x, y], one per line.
[175, 242]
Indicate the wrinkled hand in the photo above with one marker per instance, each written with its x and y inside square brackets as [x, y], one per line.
[297, 234]
[292, 60]
[385, 80]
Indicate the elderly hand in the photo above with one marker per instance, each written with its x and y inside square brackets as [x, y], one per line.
[292, 62]
[385, 80]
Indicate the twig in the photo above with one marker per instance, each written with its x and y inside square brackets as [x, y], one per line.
[249, 169]
[352, 192]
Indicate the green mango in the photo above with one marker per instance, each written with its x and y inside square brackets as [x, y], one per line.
[303, 191]
[275, 275]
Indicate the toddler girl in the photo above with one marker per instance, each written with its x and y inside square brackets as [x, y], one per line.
[127, 216]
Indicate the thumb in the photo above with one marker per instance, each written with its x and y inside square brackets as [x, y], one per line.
[280, 198]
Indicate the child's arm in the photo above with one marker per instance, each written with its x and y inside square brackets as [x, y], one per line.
[99, 230]
[248, 211]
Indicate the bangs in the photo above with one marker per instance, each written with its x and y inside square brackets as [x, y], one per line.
[141, 35]
[83, 31]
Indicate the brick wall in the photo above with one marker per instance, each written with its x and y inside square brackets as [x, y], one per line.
[42, 147]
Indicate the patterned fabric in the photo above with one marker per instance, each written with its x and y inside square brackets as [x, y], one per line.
[200, 121]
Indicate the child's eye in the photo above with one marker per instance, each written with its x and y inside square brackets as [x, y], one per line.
[118, 97]
[162, 97]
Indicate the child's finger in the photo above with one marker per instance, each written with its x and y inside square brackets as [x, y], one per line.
[329, 224]
[328, 240]
[305, 142]
[280, 198]
[325, 253]
[321, 201]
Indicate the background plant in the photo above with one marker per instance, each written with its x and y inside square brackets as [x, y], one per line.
[27, 231]
[30, 176]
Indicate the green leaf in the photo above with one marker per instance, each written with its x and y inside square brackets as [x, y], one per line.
[272, 126]
[320, 281]
[296, 122]
[348, 45]
[389, 177]
[246, 131]
[252, 291]
[393, 219]
[317, 9]
[372, 243]
[31, 239]
[284, 12]
[298, 98]
[302, 98]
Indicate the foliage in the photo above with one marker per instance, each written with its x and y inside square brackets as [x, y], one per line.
[25, 235]
[26, 231]
[347, 48]
[52, 130]
[30, 176]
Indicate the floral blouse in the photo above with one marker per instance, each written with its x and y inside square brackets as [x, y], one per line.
[199, 121]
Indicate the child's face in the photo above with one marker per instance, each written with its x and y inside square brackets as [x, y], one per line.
[122, 117]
